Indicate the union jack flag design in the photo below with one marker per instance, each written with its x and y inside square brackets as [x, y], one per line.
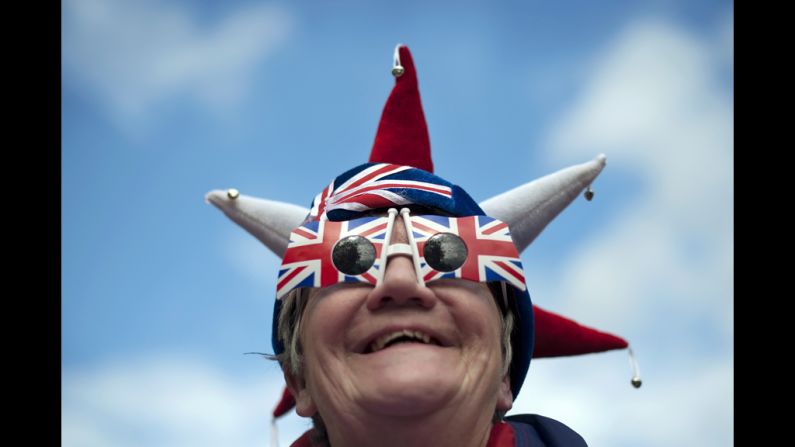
[307, 260]
[379, 185]
[491, 253]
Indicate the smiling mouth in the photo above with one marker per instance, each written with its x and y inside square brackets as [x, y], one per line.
[402, 336]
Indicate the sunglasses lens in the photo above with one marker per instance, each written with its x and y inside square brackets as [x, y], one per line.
[353, 255]
[445, 252]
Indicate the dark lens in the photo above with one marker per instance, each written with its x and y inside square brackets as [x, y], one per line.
[353, 255]
[445, 252]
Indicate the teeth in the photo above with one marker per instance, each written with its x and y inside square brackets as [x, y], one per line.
[382, 341]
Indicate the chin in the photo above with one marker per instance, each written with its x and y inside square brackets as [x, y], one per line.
[406, 403]
[409, 390]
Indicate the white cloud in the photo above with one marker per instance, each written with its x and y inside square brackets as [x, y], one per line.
[170, 402]
[686, 408]
[660, 272]
[655, 107]
[135, 55]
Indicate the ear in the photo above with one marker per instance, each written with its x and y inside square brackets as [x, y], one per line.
[304, 405]
[504, 395]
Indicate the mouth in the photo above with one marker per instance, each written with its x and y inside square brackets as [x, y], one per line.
[401, 336]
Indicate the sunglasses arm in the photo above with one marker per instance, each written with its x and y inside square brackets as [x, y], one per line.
[385, 250]
[415, 256]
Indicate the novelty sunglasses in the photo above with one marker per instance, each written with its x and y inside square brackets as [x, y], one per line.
[475, 248]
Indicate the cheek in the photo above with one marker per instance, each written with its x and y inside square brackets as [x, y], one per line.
[479, 319]
[479, 323]
[481, 328]
[325, 355]
[324, 323]
[321, 327]
[473, 309]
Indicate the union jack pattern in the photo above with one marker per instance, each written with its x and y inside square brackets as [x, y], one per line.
[371, 189]
[307, 260]
[491, 253]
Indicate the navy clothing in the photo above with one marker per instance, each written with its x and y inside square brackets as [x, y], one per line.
[529, 430]
[533, 430]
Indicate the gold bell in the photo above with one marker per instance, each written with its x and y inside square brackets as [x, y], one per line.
[232, 193]
[397, 71]
[588, 194]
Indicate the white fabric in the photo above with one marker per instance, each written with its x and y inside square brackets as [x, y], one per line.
[399, 249]
[268, 220]
[528, 209]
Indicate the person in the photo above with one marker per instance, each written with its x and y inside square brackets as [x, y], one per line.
[402, 314]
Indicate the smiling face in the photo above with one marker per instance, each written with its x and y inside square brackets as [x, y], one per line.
[401, 349]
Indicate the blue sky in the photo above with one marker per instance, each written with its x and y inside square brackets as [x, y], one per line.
[163, 101]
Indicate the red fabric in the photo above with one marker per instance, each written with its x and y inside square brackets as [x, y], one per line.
[286, 403]
[402, 136]
[557, 336]
[501, 435]
[303, 441]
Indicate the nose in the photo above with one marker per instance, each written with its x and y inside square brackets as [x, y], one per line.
[400, 287]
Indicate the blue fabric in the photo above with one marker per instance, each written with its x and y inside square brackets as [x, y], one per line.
[460, 204]
[533, 430]
[522, 339]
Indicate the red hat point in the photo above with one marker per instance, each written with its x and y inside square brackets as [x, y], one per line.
[286, 403]
[402, 136]
[557, 336]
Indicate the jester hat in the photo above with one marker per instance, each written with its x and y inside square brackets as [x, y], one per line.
[401, 156]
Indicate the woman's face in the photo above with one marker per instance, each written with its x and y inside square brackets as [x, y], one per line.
[400, 348]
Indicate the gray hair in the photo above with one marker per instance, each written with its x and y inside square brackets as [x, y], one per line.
[288, 330]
